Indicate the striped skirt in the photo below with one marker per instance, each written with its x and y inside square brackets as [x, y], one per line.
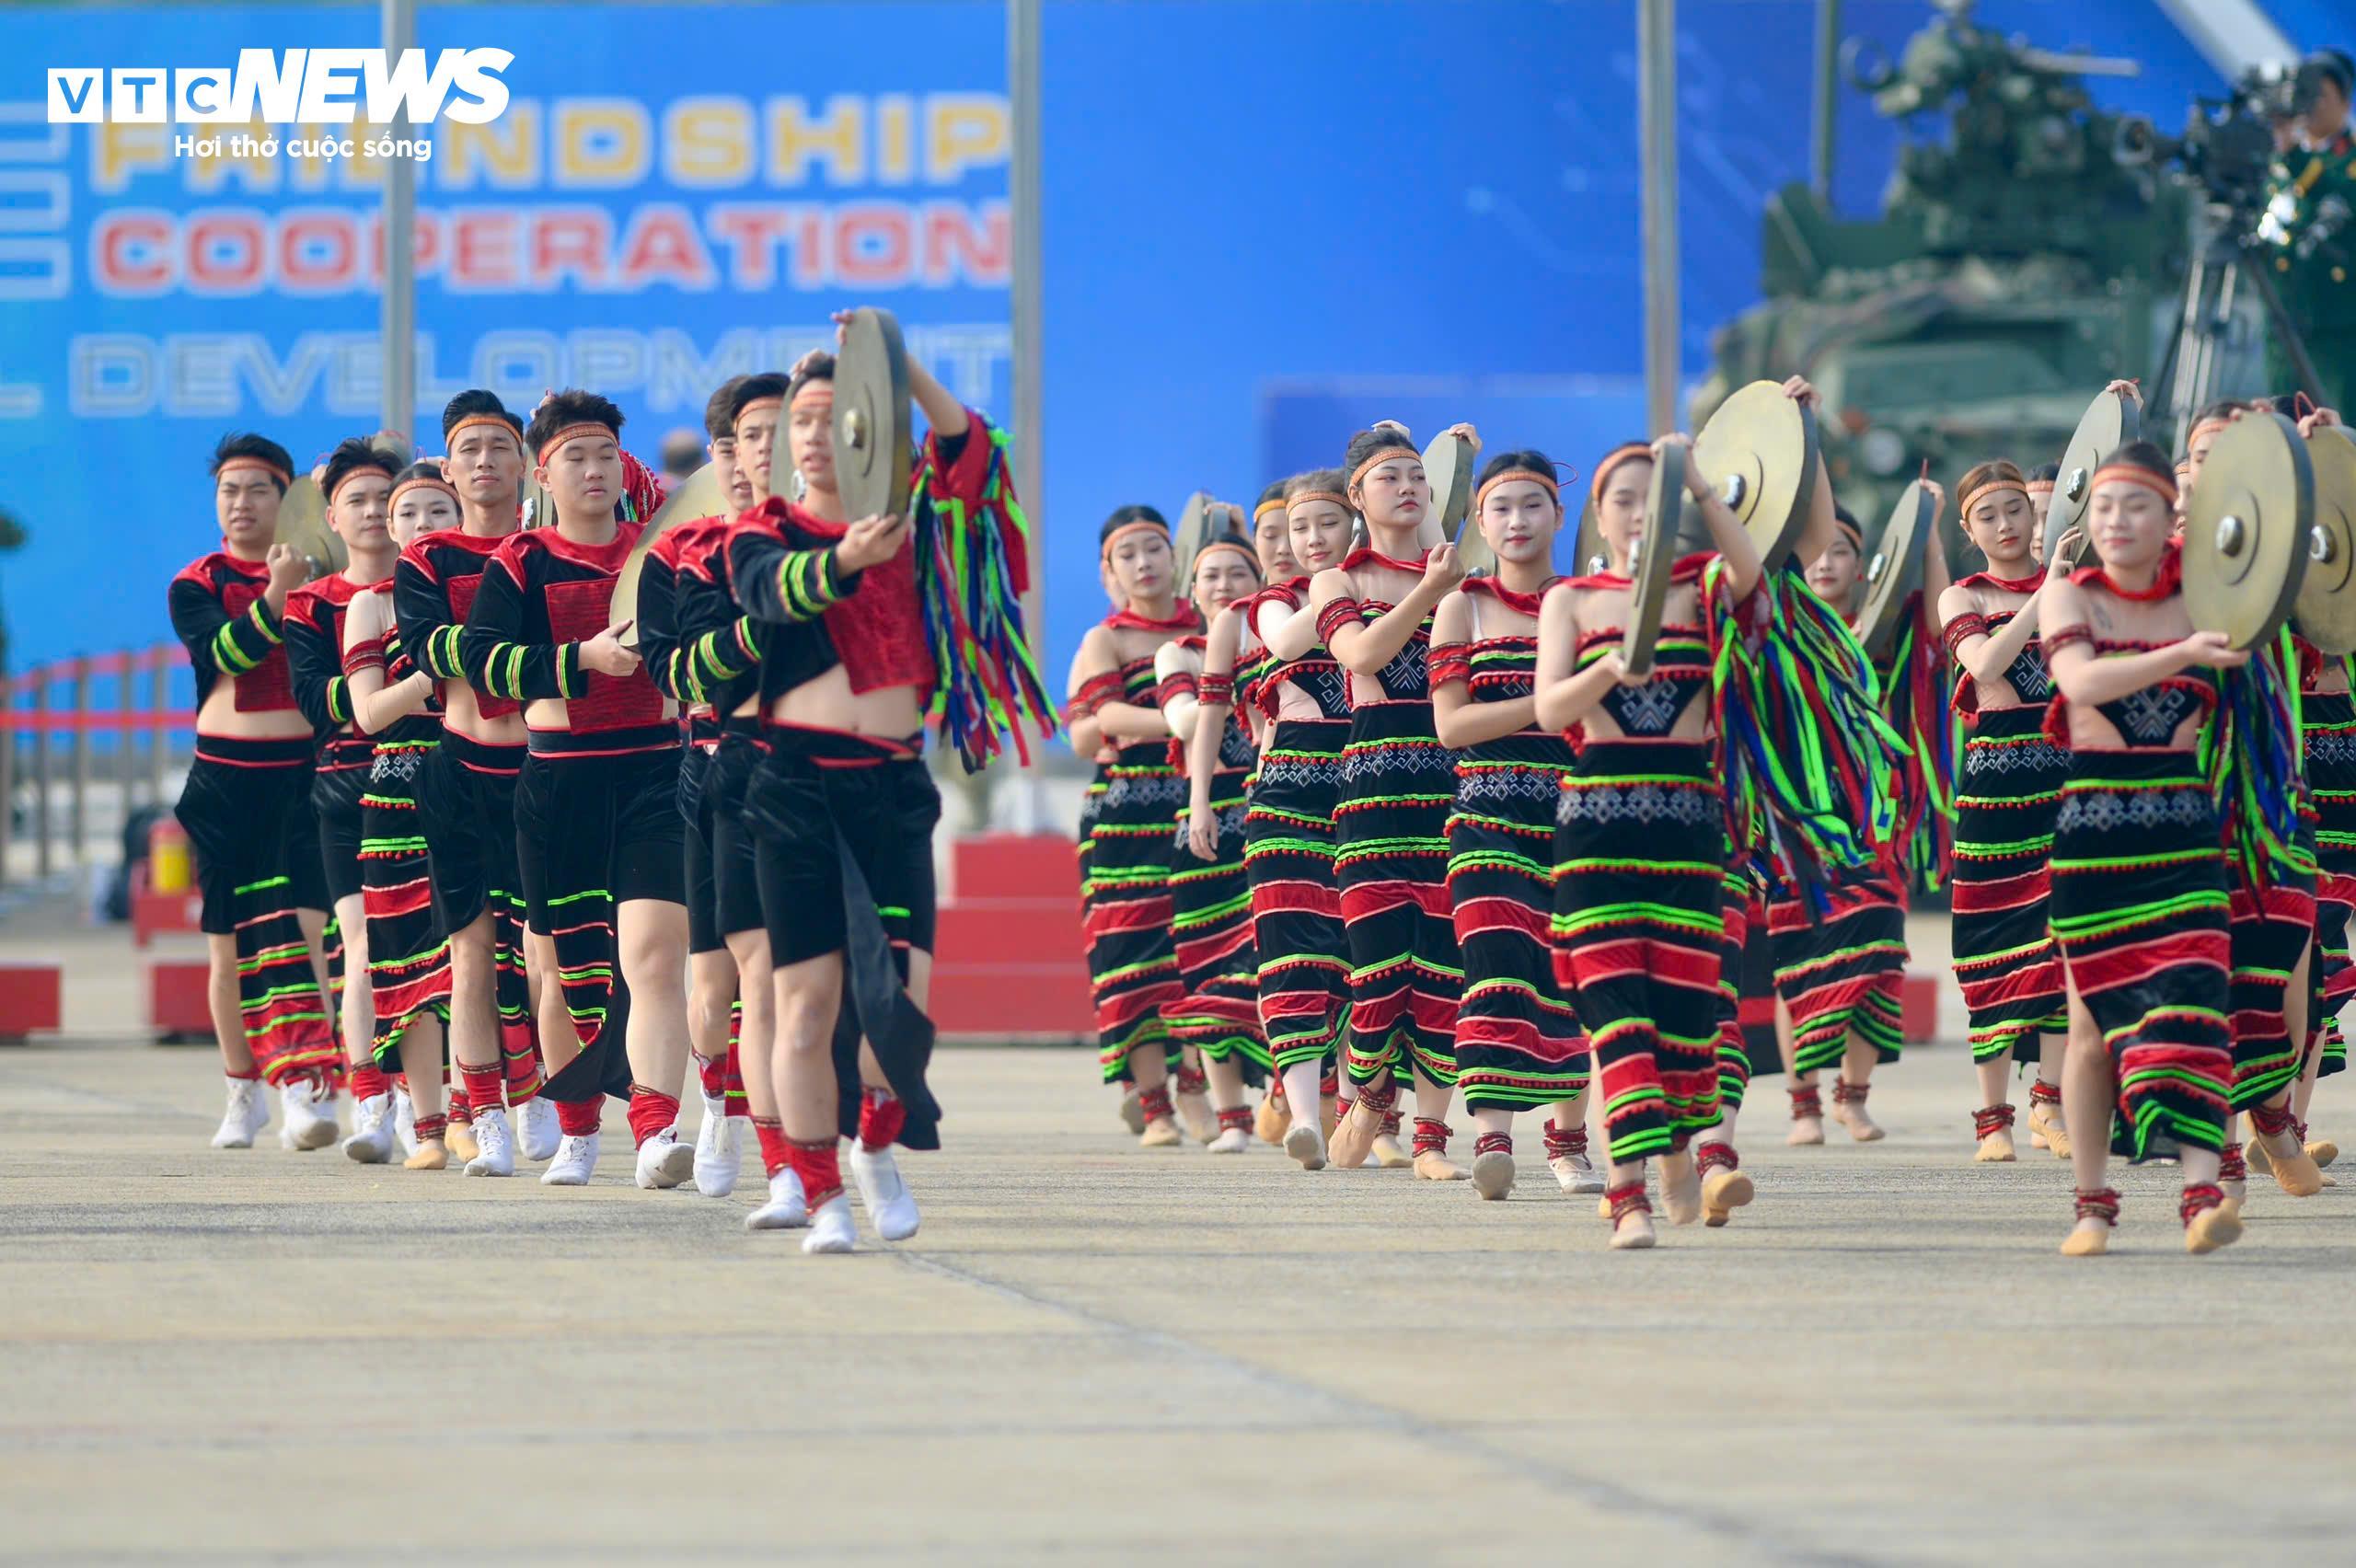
[1304, 980]
[2139, 909]
[1218, 1009]
[1517, 1042]
[2330, 724]
[1390, 864]
[2270, 933]
[1840, 970]
[1132, 965]
[2005, 961]
[409, 952]
[1640, 858]
[1735, 907]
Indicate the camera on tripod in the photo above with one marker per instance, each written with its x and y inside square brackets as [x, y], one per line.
[2228, 148]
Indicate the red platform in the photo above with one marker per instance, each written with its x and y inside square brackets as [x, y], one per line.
[178, 1008]
[1009, 958]
[31, 998]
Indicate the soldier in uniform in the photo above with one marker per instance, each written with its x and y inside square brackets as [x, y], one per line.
[2310, 226]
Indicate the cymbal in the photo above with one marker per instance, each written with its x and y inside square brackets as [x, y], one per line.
[1655, 560]
[1894, 568]
[303, 523]
[2110, 421]
[2247, 529]
[1759, 451]
[872, 429]
[698, 495]
[1197, 527]
[1448, 464]
[2325, 611]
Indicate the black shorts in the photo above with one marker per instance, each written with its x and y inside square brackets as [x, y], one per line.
[703, 925]
[335, 801]
[588, 820]
[816, 786]
[465, 808]
[734, 862]
[246, 810]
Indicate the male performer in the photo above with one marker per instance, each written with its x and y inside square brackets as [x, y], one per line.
[246, 809]
[677, 571]
[356, 481]
[466, 792]
[596, 825]
[842, 806]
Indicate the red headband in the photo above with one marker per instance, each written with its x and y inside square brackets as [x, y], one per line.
[1125, 529]
[752, 407]
[1376, 459]
[1622, 453]
[488, 421]
[1991, 487]
[264, 463]
[1553, 488]
[1334, 496]
[422, 481]
[2131, 474]
[351, 474]
[822, 386]
[1275, 503]
[573, 433]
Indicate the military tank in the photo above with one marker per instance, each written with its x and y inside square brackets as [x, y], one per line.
[2020, 261]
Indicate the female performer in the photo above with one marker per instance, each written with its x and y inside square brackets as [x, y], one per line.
[1517, 1042]
[1398, 785]
[1288, 828]
[1217, 1011]
[2011, 787]
[1641, 843]
[1130, 957]
[2139, 902]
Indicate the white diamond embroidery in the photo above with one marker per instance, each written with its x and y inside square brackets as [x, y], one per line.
[2150, 716]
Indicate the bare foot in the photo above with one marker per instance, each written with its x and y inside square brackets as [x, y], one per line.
[1807, 1116]
[1849, 1105]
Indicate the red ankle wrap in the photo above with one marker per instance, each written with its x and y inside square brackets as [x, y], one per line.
[1236, 1116]
[2101, 1203]
[369, 1082]
[430, 1128]
[1806, 1102]
[819, 1164]
[579, 1118]
[711, 1072]
[881, 1117]
[1390, 1123]
[775, 1154]
[1990, 1119]
[462, 1111]
[1380, 1096]
[1492, 1143]
[2199, 1197]
[731, 1083]
[521, 1059]
[1154, 1103]
[2230, 1165]
[1561, 1143]
[650, 1111]
[1432, 1136]
[2271, 1120]
[1847, 1093]
[1712, 1156]
[1193, 1081]
[2300, 1128]
[485, 1086]
[2043, 1093]
[1628, 1200]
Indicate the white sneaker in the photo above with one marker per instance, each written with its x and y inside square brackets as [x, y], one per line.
[832, 1229]
[535, 1130]
[889, 1202]
[405, 1121]
[577, 1157]
[310, 1120]
[494, 1145]
[371, 1142]
[1231, 1140]
[719, 1149]
[1575, 1173]
[663, 1160]
[247, 1113]
[786, 1210]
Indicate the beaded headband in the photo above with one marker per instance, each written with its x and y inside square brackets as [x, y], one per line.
[262, 464]
[1620, 454]
[755, 406]
[1547, 481]
[422, 481]
[573, 433]
[2131, 474]
[1376, 459]
[488, 421]
[1336, 497]
[1141, 525]
[1274, 503]
[351, 474]
[1989, 487]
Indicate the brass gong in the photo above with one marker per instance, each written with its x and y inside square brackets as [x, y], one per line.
[2110, 421]
[1894, 568]
[1655, 560]
[2247, 530]
[2326, 612]
[303, 523]
[873, 435]
[698, 497]
[1758, 452]
[1448, 464]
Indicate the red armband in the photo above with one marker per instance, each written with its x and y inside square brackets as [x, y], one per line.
[1180, 682]
[368, 655]
[1333, 617]
[1448, 662]
[2062, 637]
[1216, 690]
[1098, 690]
[1970, 624]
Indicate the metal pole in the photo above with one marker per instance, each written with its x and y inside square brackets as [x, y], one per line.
[1828, 104]
[40, 774]
[1025, 295]
[7, 772]
[398, 315]
[159, 698]
[1657, 113]
[80, 803]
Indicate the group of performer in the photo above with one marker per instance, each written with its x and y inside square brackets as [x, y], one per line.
[1361, 824]
[482, 846]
